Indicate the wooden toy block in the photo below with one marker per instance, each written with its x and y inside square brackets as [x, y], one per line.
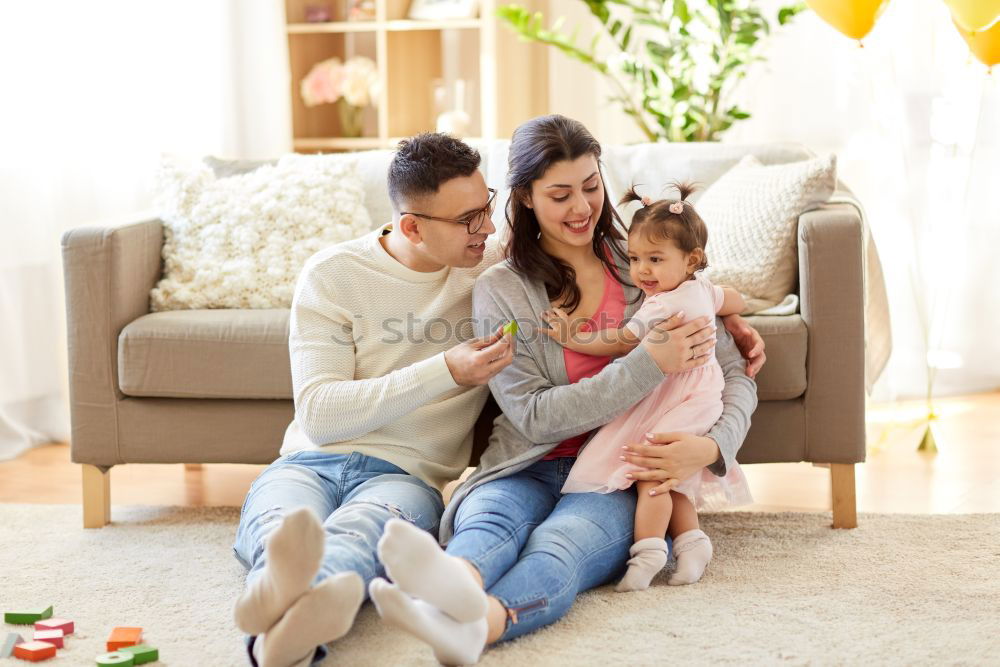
[34, 651]
[143, 653]
[26, 617]
[122, 637]
[55, 624]
[54, 637]
[12, 640]
[118, 658]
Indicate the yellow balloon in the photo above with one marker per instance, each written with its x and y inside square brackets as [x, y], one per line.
[985, 45]
[974, 15]
[854, 18]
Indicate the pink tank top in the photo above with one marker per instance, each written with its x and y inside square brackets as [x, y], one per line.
[610, 313]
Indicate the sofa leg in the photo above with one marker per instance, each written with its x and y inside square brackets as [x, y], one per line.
[96, 496]
[845, 510]
[192, 467]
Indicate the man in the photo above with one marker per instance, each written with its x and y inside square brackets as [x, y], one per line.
[386, 395]
[385, 400]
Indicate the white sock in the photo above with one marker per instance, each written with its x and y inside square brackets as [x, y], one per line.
[322, 615]
[415, 563]
[454, 643]
[693, 551]
[293, 552]
[648, 557]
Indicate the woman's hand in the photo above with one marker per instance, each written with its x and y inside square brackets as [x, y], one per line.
[748, 340]
[670, 457]
[677, 347]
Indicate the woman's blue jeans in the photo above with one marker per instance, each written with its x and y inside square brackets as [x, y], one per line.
[353, 495]
[537, 549]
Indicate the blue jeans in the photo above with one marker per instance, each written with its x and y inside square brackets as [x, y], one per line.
[353, 495]
[536, 549]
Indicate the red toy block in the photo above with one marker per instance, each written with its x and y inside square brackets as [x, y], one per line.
[34, 651]
[54, 637]
[55, 624]
[122, 636]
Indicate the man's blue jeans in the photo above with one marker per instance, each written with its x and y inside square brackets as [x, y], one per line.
[536, 549]
[353, 495]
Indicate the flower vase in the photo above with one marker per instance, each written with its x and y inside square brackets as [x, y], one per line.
[352, 118]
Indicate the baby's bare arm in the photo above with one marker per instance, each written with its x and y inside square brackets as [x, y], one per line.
[732, 302]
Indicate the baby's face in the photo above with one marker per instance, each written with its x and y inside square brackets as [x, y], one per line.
[657, 267]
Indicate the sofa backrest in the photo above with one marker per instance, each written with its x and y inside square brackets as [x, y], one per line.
[651, 166]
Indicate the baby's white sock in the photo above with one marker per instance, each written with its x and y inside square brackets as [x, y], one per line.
[415, 563]
[693, 551]
[453, 642]
[293, 551]
[322, 615]
[648, 557]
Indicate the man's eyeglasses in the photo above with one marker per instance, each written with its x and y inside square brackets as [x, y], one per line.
[473, 221]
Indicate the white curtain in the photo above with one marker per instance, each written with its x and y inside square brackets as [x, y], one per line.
[94, 93]
[915, 123]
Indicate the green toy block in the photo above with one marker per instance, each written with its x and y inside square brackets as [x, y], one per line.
[143, 653]
[116, 658]
[510, 328]
[12, 640]
[26, 617]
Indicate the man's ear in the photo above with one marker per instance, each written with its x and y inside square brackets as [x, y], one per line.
[408, 227]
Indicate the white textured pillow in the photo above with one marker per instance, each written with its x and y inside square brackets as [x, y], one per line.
[752, 214]
[240, 241]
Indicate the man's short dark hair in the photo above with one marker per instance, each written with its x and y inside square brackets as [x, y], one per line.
[424, 162]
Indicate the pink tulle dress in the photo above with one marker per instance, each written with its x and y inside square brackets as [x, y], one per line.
[689, 402]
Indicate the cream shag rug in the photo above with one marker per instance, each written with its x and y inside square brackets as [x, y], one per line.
[783, 588]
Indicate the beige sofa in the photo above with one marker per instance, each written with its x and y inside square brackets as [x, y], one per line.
[214, 386]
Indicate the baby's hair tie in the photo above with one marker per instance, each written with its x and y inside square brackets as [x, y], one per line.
[646, 201]
[677, 207]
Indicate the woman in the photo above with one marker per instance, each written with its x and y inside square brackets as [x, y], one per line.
[518, 552]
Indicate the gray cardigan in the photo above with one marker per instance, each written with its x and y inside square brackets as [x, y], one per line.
[541, 408]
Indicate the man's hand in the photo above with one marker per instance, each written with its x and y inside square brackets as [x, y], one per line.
[670, 458]
[677, 347]
[748, 340]
[473, 363]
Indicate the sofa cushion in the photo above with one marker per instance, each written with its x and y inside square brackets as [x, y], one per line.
[752, 214]
[786, 340]
[244, 354]
[206, 354]
[241, 241]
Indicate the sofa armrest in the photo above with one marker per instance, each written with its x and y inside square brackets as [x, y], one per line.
[831, 289]
[108, 273]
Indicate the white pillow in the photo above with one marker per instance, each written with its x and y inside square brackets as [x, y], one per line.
[752, 215]
[240, 241]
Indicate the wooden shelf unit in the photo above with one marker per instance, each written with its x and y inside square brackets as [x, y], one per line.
[410, 55]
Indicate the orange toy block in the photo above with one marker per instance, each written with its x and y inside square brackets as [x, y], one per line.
[121, 637]
[34, 651]
[55, 624]
[54, 637]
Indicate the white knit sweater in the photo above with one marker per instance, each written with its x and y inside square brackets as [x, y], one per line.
[367, 341]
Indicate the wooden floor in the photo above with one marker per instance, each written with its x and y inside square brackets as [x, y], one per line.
[963, 477]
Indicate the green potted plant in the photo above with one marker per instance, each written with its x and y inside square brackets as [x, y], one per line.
[672, 63]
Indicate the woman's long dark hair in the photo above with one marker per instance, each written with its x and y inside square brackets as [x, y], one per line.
[537, 145]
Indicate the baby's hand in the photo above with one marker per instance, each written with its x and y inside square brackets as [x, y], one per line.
[561, 328]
